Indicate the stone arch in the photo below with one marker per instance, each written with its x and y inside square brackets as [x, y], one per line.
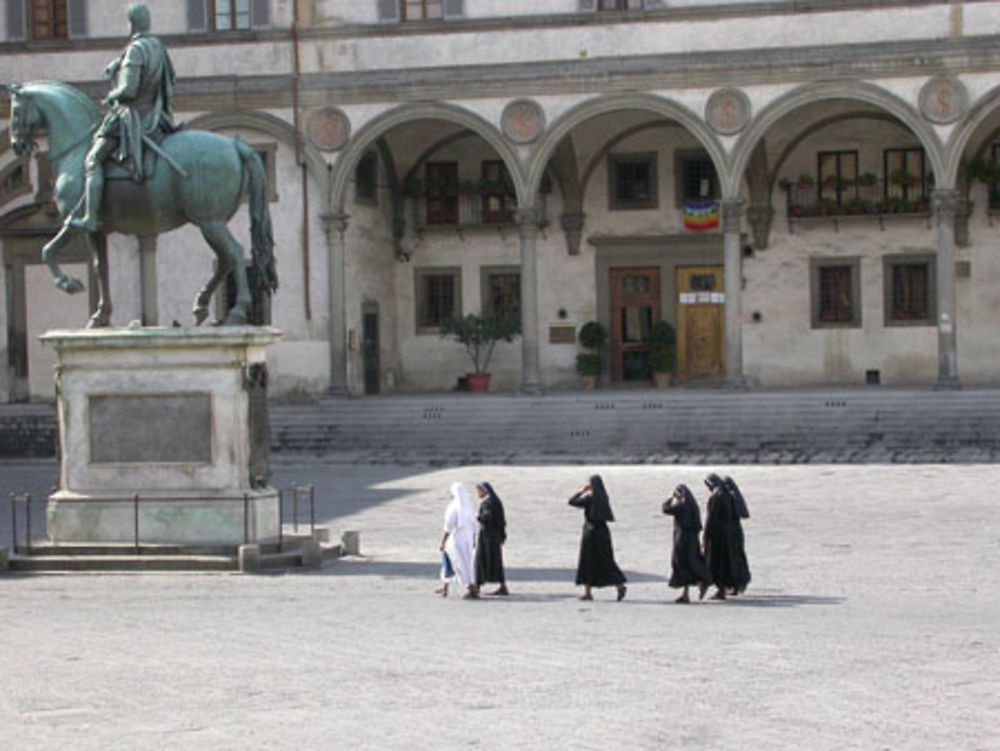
[605, 104]
[265, 123]
[813, 93]
[982, 121]
[407, 113]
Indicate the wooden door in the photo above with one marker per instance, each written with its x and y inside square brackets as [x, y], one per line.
[370, 350]
[701, 319]
[635, 307]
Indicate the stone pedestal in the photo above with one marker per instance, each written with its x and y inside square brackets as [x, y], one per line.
[163, 437]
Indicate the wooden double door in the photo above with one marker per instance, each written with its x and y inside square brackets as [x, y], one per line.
[701, 320]
[636, 304]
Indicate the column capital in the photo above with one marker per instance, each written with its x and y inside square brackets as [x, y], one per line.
[945, 203]
[334, 223]
[732, 210]
[527, 217]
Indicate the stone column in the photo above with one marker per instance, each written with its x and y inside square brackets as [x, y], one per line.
[733, 258]
[147, 280]
[527, 222]
[335, 226]
[945, 207]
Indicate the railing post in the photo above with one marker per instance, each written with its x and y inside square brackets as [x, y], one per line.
[295, 508]
[135, 521]
[13, 522]
[27, 516]
[246, 519]
[281, 517]
[312, 512]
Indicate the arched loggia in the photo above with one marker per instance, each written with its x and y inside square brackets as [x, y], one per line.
[944, 194]
[336, 219]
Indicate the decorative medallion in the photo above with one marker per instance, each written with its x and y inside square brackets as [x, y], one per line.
[727, 111]
[522, 121]
[943, 100]
[328, 129]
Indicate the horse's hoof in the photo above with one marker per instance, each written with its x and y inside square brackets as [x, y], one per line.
[69, 284]
[200, 314]
[97, 322]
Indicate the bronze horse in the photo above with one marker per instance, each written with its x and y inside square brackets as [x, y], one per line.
[203, 186]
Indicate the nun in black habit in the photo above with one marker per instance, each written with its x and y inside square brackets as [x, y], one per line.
[492, 536]
[723, 545]
[740, 511]
[596, 567]
[687, 564]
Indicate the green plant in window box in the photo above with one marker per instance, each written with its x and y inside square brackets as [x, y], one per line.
[663, 352]
[415, 187]
[902, 178]
[806, 180]
[785, 184]
[590, 364]
[868, 179]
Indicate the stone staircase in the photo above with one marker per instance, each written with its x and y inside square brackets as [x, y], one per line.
[679, 425]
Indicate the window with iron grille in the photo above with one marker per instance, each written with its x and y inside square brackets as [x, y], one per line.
[905, 175]
[835, 289]
[501, 286]
[909, 290]
[632, 181]
[838, 176]
[420, 10]
[498, 198]
[442, 192]
[49, 19]
[696, 179]
[231, 14]
[438, 297]
[365, 179]
[619, 5]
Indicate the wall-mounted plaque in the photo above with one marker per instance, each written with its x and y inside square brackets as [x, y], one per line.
[727, 111]
[522, 121]
[328, 129]
[943, 100]
[562, 333]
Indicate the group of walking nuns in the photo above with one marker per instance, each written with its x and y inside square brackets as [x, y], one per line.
[719, 558]
[722, 559]
[473, 562]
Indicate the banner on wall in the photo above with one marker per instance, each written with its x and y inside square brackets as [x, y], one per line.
[701, 215]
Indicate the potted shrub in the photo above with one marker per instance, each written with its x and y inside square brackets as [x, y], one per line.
[590, 364]
[479, 334]
[663, 353]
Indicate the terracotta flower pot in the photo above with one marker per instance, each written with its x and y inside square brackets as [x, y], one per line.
[588, 382]
[663, 380]
[479, 383]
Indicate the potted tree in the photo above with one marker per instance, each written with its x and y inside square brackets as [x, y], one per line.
[589, 364]
[479, 334]
[663, 353]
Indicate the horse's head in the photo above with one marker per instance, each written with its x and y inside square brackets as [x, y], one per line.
[25, 120]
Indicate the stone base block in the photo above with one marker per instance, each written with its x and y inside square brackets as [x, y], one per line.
[165, 518]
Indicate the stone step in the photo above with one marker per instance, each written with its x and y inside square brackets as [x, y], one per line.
[80, 563]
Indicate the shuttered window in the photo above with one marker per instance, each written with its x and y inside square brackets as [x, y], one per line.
[49, 19]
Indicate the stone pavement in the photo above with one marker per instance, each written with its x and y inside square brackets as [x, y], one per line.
[871, 623]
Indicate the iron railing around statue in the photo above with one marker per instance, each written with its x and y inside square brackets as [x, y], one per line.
[300, 496]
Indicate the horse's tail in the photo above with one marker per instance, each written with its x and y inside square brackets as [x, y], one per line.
[261, 236]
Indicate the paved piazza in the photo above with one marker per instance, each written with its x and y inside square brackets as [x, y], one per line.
[871, 623]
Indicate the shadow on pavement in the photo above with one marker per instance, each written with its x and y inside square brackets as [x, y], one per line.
[781, 601]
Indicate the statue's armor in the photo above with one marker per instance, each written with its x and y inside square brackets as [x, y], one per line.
[143, 104]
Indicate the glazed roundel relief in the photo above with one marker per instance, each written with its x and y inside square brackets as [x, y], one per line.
[943, 100]
[522, 121]
[328, 129]
[727, 111]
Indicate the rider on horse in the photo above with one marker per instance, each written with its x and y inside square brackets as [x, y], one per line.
[141, 108]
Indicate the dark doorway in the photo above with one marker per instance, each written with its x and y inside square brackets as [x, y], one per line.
[635, 307]
[370, 347]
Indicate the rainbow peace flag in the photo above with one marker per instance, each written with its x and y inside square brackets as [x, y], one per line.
[701, 215]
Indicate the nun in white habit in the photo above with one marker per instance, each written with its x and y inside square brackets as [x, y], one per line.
[459, 542]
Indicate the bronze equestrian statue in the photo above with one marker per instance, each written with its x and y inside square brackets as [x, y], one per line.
[174, 176]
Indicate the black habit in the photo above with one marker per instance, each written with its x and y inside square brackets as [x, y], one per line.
[492, 536]
[724, 552]
[596, 566]
[687, 564]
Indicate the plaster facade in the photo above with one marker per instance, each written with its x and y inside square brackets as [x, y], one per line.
[815, 78]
